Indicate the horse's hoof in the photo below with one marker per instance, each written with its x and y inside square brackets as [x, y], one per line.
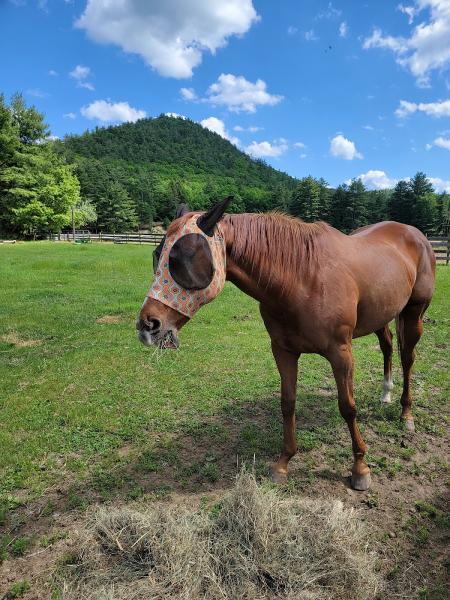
[277, 477]
[386, 398]
[361, 482]
[409, 425]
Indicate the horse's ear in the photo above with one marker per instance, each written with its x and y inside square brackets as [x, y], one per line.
[182, 209]
[209, 220]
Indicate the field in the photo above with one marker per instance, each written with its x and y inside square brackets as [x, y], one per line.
[88, 415]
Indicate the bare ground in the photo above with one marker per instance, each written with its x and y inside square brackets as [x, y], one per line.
[407, 506]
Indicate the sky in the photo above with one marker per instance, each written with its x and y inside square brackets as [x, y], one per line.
[337, 90]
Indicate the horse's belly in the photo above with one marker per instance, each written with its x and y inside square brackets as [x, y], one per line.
[381, 306]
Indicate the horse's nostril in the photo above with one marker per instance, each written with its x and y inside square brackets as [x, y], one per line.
[154, 325]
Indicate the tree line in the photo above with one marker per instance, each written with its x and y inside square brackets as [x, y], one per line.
[118, 178]
[349, 206]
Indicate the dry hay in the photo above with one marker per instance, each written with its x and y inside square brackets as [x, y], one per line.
[109, 320]
[254, 545]
[14, 339]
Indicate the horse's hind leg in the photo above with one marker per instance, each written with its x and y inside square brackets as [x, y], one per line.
[409, 332]
[385, 338]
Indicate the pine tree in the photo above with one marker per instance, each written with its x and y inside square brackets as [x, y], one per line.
[115, 209]
[442, 217]
[401, 206]
[338, 207]
[356, 205]
[325, 194]
[423, 203]
[306, 199]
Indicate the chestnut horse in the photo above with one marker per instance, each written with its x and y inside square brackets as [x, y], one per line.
[317, 288]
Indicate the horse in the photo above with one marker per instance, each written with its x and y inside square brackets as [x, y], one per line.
[317, 289]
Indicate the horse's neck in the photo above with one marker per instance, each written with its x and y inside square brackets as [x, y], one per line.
[257, 274]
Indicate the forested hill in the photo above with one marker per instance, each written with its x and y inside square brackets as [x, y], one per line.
[155, 163]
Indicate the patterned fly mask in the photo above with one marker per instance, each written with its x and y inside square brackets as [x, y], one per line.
[172, 288]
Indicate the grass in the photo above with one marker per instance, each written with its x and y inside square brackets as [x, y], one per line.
[77, 387]
[87, 414]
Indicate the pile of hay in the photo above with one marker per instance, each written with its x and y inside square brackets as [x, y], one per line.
[253, 545]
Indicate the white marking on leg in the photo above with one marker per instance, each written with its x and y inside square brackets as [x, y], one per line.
[388, 386]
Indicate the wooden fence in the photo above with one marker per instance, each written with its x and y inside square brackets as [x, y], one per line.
[116, 238]
[441, 245]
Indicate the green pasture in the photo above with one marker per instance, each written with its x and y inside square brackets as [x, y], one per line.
[84, 406]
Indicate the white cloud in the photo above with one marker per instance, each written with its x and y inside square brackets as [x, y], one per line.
[80, 73]
[427, 47]
[409, 11]
[112, 112]
[252, 128]
[70, 115]
[368, 127]
[240, 95]
[377, 180]
[442, 142]
[432, 109]
[175, 115]
[441, 185]
[310, 36]
[292, 30]
[299, 145]
[217, 126]
[37, 93]
[170, 36]
[341, 147]
[53, 73]
[263, 149]
[343, 29]
[303, 155]
[188, 94]
[330, 12]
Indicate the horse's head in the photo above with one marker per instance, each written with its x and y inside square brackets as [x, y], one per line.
[190, 265]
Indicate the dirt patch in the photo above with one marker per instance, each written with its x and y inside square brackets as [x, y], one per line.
[14, 339]
[109, 320]
[406, 507]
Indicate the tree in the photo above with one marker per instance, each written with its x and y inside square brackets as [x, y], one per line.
[348, 206]
[115, 209]
[39, 190]
[84, 213]
[338, 207]
[306, 199]
[9, 139]
[400, 206]
[442, 214]
[29, 121]
[324, 200]
[423, 213]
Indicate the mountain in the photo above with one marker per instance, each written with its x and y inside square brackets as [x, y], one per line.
[162, 161]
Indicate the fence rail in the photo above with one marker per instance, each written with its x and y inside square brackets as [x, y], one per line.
[117, 238]
[441, 245]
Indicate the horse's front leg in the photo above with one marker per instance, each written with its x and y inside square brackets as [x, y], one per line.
[287, 366]
[341, 359]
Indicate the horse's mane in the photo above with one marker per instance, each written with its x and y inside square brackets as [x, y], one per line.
[276, 243]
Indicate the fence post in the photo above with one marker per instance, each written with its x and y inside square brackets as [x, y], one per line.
[447, 259]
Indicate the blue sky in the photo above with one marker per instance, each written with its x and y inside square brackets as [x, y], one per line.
[333, 89]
